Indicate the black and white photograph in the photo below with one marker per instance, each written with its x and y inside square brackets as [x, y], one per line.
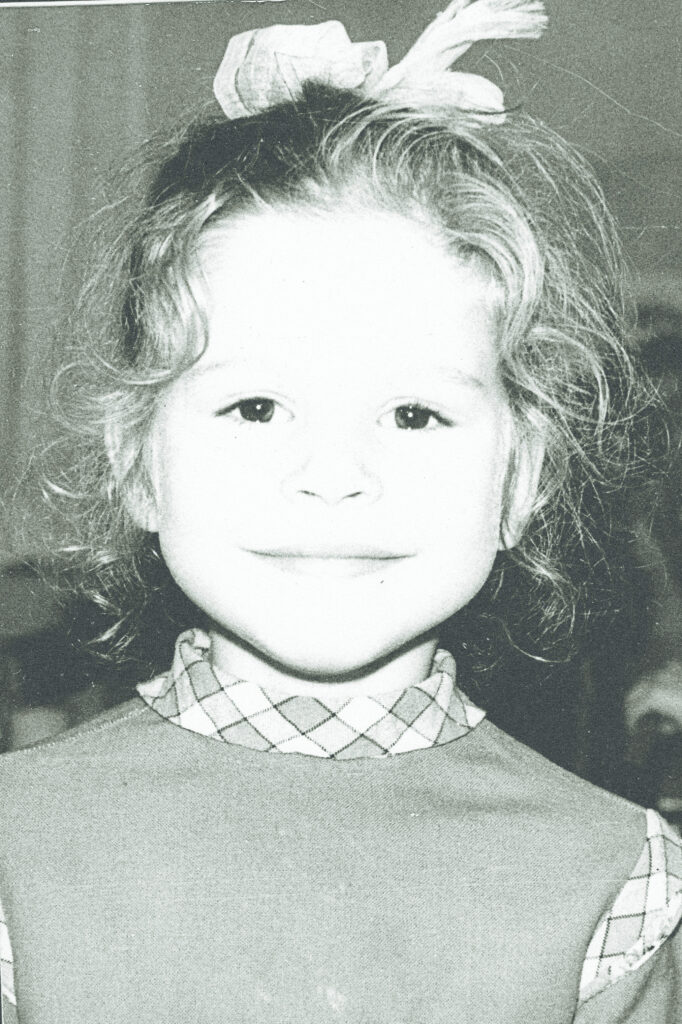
[340, 512]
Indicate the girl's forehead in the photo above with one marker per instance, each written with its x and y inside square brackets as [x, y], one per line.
[375, 286]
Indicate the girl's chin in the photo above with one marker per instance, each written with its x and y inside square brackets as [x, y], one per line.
[341, 656]
[327, 667]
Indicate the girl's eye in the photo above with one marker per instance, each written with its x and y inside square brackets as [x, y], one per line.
[251, 410]
[417, 417]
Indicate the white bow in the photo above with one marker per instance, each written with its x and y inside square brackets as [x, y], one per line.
[264, 67]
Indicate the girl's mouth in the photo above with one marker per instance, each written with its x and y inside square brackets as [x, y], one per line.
[334, 566]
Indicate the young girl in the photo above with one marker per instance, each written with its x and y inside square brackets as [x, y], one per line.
[356, 384]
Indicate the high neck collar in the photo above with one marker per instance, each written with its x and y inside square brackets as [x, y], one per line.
[195, 697]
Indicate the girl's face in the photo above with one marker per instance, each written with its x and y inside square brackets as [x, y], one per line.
[328, 477]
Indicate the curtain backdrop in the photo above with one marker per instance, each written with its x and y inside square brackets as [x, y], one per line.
[80, 86]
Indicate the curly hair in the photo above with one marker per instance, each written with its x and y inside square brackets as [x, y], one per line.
[506, 194]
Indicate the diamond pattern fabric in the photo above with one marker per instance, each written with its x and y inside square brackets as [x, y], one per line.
[647, 910]
[6, 963]
[193, 696]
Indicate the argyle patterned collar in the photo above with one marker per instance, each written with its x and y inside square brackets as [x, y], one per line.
[193, 696]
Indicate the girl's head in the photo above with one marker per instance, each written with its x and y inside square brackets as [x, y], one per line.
[327, 480]
[355, 362]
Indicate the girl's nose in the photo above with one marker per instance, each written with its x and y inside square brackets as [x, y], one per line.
[333, 473]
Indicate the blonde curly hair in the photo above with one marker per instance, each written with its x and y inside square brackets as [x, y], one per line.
[511, 196]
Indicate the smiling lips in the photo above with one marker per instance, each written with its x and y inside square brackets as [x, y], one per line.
[331, 564]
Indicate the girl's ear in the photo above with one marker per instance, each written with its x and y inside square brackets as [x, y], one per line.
[135, 489]
[523, 479]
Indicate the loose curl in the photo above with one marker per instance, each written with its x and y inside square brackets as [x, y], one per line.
[510, 197]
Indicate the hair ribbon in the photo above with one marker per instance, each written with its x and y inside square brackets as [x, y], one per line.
[264, 67]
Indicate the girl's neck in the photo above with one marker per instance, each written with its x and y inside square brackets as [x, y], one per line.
[404, 669]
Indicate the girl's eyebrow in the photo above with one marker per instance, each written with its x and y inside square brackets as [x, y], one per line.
[451, 374]
[205, 369]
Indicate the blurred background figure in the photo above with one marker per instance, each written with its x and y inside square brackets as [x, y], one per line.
[653, 704]
[50, 678]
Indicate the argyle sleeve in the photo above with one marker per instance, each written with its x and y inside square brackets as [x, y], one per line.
[632, 973]
[8, 1013]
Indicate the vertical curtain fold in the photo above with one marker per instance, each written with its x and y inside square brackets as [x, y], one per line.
[52, 155]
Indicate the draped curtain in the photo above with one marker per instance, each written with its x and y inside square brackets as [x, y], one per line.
[63, 114]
